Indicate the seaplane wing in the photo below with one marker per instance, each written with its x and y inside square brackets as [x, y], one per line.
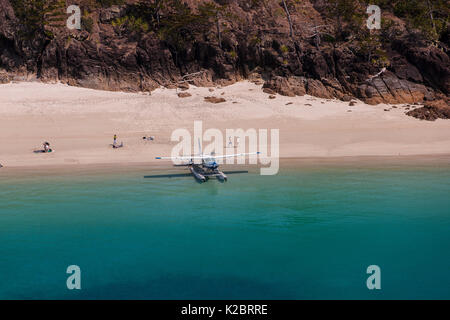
[174, 175]
[233, 155]
[185, 158]
[205, 156]
[215, 174]
[182, 175]
[235, 172]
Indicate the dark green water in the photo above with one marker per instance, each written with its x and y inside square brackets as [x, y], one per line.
[305, 233]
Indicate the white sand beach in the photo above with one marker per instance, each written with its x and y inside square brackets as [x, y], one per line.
[80, 124]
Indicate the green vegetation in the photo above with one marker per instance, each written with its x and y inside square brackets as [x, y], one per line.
[255, 41]
[233, 54]
[278, 12]
[87, 23]
[174, 21]
[371, 47]
[109, 3]
[177, 24]
[34, 15]
[131, 24]
[348, 17]
[180, 25]
[429, 16]
[284, 49]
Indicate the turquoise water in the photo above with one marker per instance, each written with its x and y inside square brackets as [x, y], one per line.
[307, 233]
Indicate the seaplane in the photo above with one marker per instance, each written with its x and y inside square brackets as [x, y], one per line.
[202, 166]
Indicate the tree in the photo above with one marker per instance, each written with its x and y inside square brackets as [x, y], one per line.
[431, 17]
[317, 32]
[288, 15]
[33, 14]
[149, 10]
[211, 10]
[346, 16]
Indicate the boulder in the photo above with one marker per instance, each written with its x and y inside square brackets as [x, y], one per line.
[346, 98]
[183, 86]
[4, 78]
[289, 87]
[214, 100]
[317, 89]
[269, 91]
[388, 88]
[439, 109]
[184, 94]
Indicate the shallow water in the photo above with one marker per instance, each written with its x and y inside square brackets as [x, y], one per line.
[307, 233]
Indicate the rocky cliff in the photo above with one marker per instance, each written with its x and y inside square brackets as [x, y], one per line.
[317, 47]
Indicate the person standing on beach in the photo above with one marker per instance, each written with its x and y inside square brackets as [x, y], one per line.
[115, 140]
[230, 143]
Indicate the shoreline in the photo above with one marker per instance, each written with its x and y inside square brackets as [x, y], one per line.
[312, 163]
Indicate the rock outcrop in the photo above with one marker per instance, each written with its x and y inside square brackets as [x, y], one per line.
[119, 49]
[431, 111]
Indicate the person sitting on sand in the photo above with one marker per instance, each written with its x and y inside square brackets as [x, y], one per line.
[115, 145]
[46, 147]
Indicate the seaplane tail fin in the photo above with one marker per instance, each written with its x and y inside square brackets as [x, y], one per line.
[200, 153]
